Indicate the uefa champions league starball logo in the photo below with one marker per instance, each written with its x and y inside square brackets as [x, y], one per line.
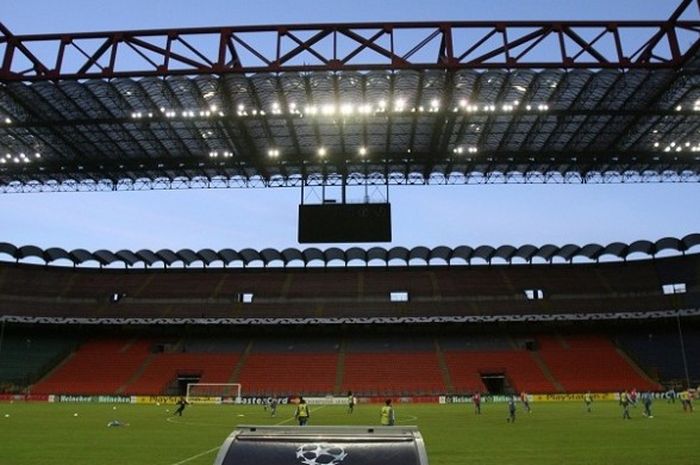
[321, 454]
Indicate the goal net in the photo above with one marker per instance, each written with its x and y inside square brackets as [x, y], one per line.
[213, 393]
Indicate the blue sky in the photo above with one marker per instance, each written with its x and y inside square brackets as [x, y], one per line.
[431, 216]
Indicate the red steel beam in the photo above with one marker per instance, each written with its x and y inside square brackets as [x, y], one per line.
[493, 45]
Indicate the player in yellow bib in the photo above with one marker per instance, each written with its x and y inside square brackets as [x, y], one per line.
[302, 412]
[387, 416]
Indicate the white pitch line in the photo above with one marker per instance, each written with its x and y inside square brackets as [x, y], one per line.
[188, 459]
[197, 456]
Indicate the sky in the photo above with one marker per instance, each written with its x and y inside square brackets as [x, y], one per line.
[261, 218]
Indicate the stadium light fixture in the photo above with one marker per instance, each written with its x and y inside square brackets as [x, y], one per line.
[347, 109]
[322, 152]
[363, 151]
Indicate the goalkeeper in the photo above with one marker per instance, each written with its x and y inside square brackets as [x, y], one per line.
[180, 406]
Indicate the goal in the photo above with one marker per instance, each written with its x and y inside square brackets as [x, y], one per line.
[213, 393]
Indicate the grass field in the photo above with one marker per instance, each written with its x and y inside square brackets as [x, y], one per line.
[555, 433]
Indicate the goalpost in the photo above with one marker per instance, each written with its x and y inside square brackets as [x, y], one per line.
[213, 393]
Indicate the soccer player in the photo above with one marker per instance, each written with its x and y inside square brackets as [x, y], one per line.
[511, 410]
[352, 400]
[686, 401]
[180, 406]
[646, 401]
[588, 400]
[671, 396]
[526, 401]
[302, 412]
[273, 407]
[625, 402]
[476, 400]
[387, 416]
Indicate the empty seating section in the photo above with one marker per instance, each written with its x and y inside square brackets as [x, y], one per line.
[390, 344]
[517, 366]
[23, 359]
[377, 283]
[381, 366]
[476, 342]
[472, 281]
[31, 290]
[313, 284]
[164, 368]
[660, 353]
[97, 367]
[591, 363]
[214, 345]
[289, 373]
[392, 373]
[295, 345]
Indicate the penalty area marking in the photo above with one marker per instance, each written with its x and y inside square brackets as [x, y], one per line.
[213, 449]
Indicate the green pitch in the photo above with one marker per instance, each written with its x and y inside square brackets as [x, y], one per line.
[555, 433]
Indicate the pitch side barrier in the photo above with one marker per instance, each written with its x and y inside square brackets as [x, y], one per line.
[282, 445]
[261, 400]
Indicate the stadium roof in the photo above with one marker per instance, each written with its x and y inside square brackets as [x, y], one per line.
[273, 258]
[404, 103]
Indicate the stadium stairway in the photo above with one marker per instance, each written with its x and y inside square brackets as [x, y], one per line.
[579, 367]
[546, 371]
[236, 375]
[136, 374]
[340, 368]
[99, 366]
[446, 378]
[635, 367]
[25, 359]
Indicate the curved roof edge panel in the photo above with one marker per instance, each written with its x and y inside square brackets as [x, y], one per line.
[691, 240]
[591, 252]
[30, 251]
[8, 249]
[148, 257]
[56, 253]
[79, 256]
[167, 256]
